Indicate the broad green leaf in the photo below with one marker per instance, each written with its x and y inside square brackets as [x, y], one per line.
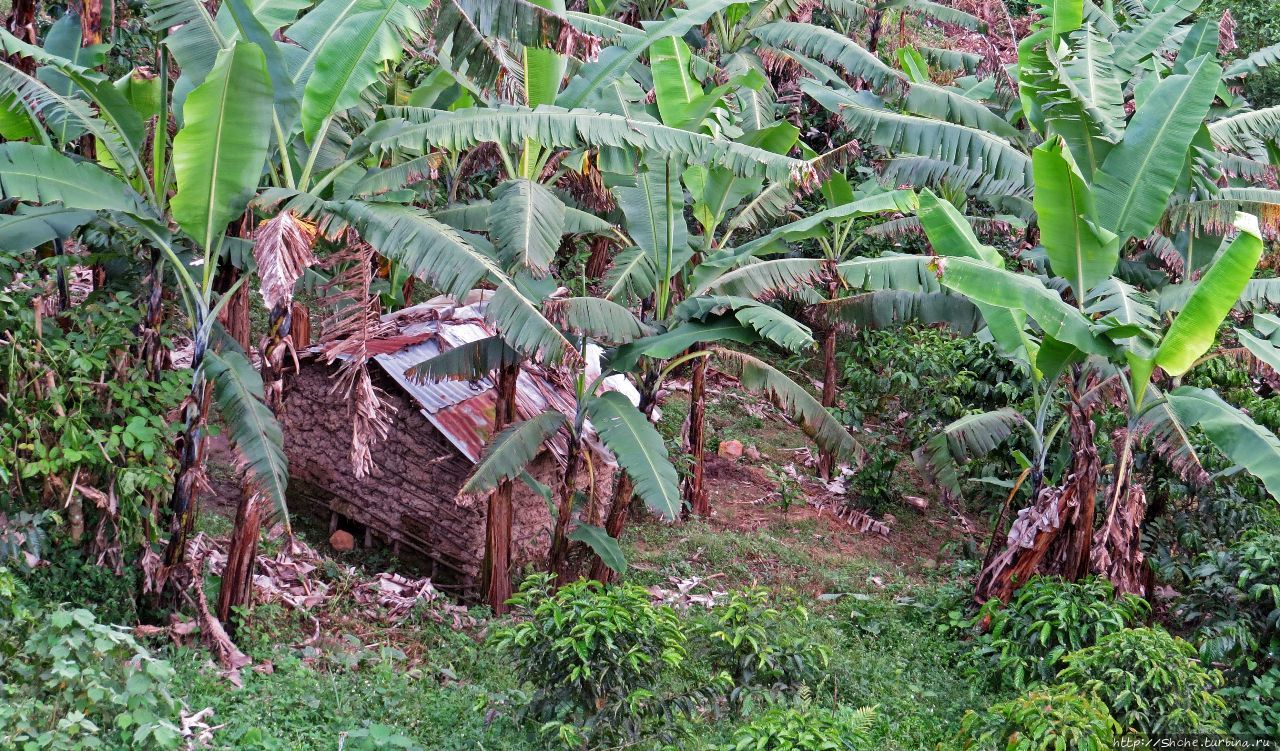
[142, 90]
[35, 225]
[833, 47]
[597, 317]
[526, 221]
[719, 265]
[950, 234]
[631, 46]
[248, 26]
[1264, 351]
[640, 451]
[913, 64]
[452, 263]
[469, 361]
[602, 545]
[40, 174]
[1133, 186]
[772, 324]
[891, 308]
[1193, 331]
[415, 129]
[118, 125]
[196, 41]
[63, 42]
[759, 377]
[508, 454]
[671, 343]
[16, 123]
[675, 90]
[1065, 16]
[477, 39]
[1143, 39]
[219, 155]
[965, 439]
[272, 15]
[1005, 289]
[1202, 39]
[632, 275]
[1079, 250]
[351, 57]
[1232, 432]
[960, 145]
[654, 211]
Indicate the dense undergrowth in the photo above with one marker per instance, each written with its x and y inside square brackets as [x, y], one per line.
[895, 655]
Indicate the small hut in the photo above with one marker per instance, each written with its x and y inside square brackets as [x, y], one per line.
[437, 433]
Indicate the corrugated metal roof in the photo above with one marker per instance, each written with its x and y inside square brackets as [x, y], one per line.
[464, 412]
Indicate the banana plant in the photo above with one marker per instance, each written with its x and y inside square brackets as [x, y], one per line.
[1099, 318]
[1073, 76]
[214, 162]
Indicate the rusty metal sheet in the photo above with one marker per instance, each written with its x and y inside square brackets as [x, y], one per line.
[464, 412]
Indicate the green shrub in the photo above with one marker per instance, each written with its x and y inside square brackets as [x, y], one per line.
[79, 410]
[1255, 707]
[1233, 604]
[1052, 719]
[15, 614]
[1150, 681]
[1047, 619]
[378, 738]
[72, 577]
[79, 684]
[805, 728]
[595, 656]
[759, 646]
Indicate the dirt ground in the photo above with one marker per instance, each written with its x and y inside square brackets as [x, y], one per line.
[745, 499]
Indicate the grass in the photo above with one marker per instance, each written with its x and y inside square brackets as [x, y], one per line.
[315, 696]
[446, 690]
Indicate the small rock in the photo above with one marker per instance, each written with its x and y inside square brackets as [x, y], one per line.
[916, 502]
[890, 519]
[730, 449]
[752, 453]
[342, 541]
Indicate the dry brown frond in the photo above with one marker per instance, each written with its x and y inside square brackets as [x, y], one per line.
[348, 332]
[282, 249]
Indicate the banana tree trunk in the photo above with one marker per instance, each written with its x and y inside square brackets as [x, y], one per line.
[694, 489]
[617, 519]
[91, 34]
[1117, 553]
[191, 455]
[1037, 528]
[242, 551]
[1077, 542]
[496, 570]
[877, 25]
[90, 22]
[826, 459]
[235, 314]
[21, 22]
[151, 349]
[557, 560]
[598, 261]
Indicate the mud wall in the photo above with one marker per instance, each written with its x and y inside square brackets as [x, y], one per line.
[408, 500]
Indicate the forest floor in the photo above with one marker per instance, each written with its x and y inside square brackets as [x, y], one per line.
[875, 601]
